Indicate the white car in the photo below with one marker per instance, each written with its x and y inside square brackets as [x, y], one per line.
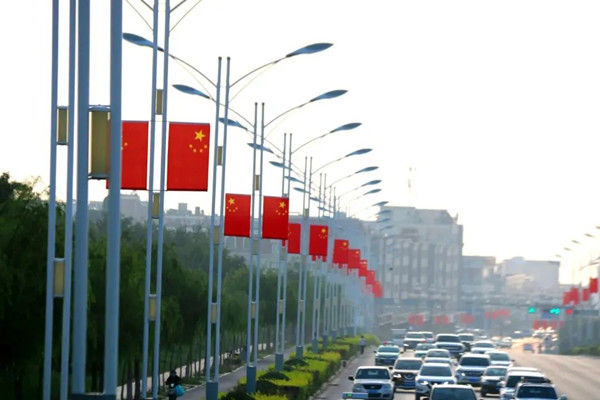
[537, 391]
[516, 375]
[471, 368]
[376, 381]
[430, 375]
[481, 346]
[500, 358]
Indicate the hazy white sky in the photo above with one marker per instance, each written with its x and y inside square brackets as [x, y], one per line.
[493, 103]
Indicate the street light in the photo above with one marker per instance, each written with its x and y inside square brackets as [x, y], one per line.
[212, 384]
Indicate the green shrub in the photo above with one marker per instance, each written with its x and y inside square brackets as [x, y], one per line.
[261, 396]
[274, 375]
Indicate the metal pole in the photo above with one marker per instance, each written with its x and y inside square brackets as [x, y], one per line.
[299, 348]
[51, 211]
[278, 311]
[304, 259]
[161, 211]
[68, 248]
[214, 393]
[113, 248]
[250, 368]
[81, 223]
[285, 264]
[211, 237]
[149, 223]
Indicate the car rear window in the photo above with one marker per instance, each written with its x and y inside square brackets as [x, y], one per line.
[453, 394]
[448, 338]
[389, 349]
[413, 365]
[474, 361]
[414, 336]
[428, 370]
[537, 392]
[499, 356]
[367, 373]
[512, 380]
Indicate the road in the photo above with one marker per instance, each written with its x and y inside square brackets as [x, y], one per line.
[574, 376]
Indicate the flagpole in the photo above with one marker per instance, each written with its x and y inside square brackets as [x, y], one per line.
[217, 357]
[305, 260]
[278, 311]
[68, 247]
[299, 347]
[82, 223]
[149, 218]
[113, 249]
[250, 367]
[260, 196]
[211, 238]
[161, 211]
[285, 264]
[50, 254]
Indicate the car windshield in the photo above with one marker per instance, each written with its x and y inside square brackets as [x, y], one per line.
[474, 361]
[495, 371]
[373, 373]
[398, 336]
[388, 349]
[428, 335]
[466, 337]
[412, 365]
[430, 370]
[499, 356]
[448, 338]
[441, 393]
[424, 346]
[512, 380]
[483, 344]
[414, 335]
[537, 392]
[437, 353]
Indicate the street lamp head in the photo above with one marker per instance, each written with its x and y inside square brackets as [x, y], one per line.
[231, 122]
[372, 191]
[190, 90]
[300, 190]
[370, 183]
[347, 127]
[379, 221]
[140, 41]
[380, 204]
[257, 146]
[367, 169]
[278, 164]
[316, 199]
[293, 179]
[358, 152]
[310, 49]
[332, 94]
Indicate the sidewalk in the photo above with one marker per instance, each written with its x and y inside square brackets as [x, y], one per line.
[229, 380]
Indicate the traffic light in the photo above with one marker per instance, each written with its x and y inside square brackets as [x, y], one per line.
[532, 310]
[569, 311]
[555, 310]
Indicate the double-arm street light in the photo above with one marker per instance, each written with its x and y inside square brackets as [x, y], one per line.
[212, 382]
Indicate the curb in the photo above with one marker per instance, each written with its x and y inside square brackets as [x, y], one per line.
[317, 394]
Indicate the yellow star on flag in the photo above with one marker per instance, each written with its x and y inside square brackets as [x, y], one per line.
[199, 135]
[231, 200]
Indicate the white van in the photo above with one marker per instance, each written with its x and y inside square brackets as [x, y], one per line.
[398, 337]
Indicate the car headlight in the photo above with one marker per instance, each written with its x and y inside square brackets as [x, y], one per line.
[460, 373]
[358, 388]
[397, 375]
[422, 382]
[386, 386]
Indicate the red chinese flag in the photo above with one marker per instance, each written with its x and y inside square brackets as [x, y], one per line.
[377, 290]
[586, 294]
[187, 158]
[294, 234]
[340, 251]
[237, 215]
[463, 319]
[575, 296]
[275, 217]
[370, 277]
[536, 324]
[353, 258]
[317, 245]
[363, 267]
[566, 298]
[471, 319]
[134, 155]
[593, 285]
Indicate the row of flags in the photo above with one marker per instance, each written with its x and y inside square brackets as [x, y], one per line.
[188, 155]
[543, 324]
[495, 314]
[574, 296]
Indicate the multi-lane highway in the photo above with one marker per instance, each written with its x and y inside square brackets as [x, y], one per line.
[574, 376]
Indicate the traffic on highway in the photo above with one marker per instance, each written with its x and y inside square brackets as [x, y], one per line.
[506, 368]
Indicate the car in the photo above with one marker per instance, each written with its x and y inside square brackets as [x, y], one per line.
[429, 338]
[528, 347]
[422, 348]
[481, 346]
[438, 353]
[398, 337]
[450, 342]
[439, 360]
[412, 339]
[404, 372]
[500, 358]
[452, 392]
[467, 340]
[430, 375]
[471, 368]
[505, 342]
[386, 355]
[374, 380]
[492, 379]
[516, 375]
[537, 391]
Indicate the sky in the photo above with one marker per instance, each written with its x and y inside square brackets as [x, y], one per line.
[492, 105]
